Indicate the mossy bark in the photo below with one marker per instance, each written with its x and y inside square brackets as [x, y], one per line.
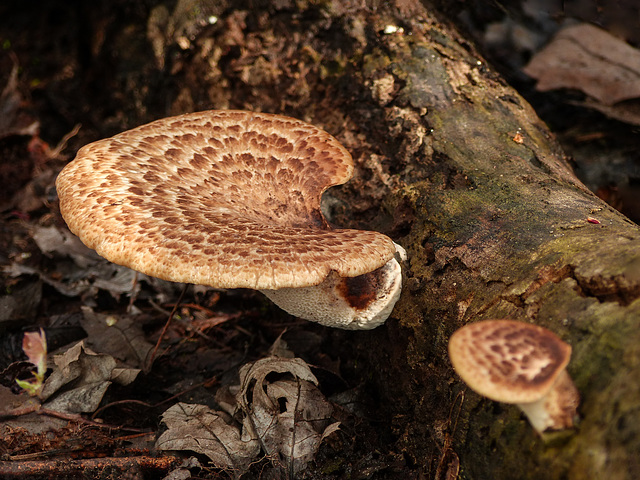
[457, 168]
[501, 228]
[496, 225]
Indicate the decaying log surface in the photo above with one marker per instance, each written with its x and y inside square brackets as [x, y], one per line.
[456, 167]
[498, 226]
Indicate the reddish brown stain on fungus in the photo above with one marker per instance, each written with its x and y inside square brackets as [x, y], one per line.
[361, 291]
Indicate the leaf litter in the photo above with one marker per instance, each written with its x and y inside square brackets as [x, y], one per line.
[285, 416]
[276, 411]
[80, 378]
[289, 416]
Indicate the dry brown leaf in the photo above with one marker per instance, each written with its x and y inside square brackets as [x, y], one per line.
[587, 58]
[37, 193]
[627, 111]
[211, 433]
[119, 336]
[279, 348]
[69, 289]
[288, 415]
[63, 242]
[80, 378]
[11, 403]
[22, 302]
[94, 272]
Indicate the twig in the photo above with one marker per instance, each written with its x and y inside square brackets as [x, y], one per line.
[209, 382]
[57, 469]
[62, 144]
[164, 329]
[40, 410]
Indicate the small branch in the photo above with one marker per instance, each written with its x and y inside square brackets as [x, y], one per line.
[51, 468]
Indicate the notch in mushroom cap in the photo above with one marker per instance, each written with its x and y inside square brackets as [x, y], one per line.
[515, 362]
[231, 199]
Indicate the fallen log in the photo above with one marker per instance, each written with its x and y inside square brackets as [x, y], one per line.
[456, 167]
[472, 183]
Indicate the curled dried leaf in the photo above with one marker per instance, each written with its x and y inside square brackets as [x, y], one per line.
[80, 378]
[211, 433]
[284, 410]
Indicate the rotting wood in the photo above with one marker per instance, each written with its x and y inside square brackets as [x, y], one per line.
[496, 225]
[114, 466]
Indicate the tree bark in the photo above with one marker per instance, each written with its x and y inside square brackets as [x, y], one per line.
[457, 168]
[496, 225]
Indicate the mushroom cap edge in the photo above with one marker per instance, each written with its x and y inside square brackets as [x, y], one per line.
[504, 367]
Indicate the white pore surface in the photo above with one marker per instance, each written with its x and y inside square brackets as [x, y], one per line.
[326, 305]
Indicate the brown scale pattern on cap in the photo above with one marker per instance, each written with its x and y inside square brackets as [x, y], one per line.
[508, 361]
[221, 198]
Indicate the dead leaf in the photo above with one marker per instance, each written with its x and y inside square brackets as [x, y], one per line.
[79, 380]
[211, 433]
[63, 242]
[587, 58]
[37, 193]
[82, 399]
[627, 111]
[115, 279]
[119, 336]
[11, 403]
[119, 280]
[279, 348]
[183, 472]
[85, 282]
[21, 303]
[69, 289]
[124, 376]
[287, 414]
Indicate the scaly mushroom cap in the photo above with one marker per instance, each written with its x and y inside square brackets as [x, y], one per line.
[221, 198]
[508, 361]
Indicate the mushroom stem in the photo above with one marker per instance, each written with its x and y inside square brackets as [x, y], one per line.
[352, 303]
[557, 409]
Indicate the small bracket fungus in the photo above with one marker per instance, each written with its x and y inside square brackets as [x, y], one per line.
[520, 363]
[231, 199]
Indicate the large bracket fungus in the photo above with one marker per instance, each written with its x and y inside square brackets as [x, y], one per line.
[231, 199]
